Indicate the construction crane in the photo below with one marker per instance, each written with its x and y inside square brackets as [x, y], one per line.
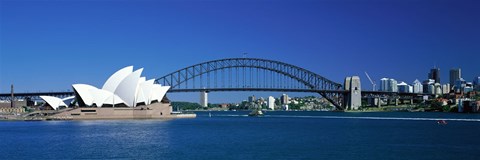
[373, 83]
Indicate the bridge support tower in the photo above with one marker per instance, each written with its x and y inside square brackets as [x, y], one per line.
[354, 97]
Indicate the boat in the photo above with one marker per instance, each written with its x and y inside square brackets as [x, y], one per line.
[256, 113]
[442, 122]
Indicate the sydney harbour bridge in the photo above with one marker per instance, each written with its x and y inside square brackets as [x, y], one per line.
[248, 74]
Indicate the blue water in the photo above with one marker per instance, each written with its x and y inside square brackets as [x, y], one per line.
[232, 135]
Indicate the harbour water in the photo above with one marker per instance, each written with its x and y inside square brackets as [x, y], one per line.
[233, 135]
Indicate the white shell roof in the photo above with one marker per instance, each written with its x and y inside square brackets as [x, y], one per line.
[115, 79]
[54, 102]
[126, 90]
[123, 87]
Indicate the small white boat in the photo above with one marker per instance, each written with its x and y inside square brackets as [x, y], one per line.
[256, 113]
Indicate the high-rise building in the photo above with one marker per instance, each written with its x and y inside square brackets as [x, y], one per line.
[388, 85]
[434, 74]
[271, 103]
[284, 101]
[392, 87]
[455, 74]
[417, 86]
[384, 84]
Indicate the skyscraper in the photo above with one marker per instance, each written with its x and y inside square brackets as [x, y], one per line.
[455, 74]
[434, 74]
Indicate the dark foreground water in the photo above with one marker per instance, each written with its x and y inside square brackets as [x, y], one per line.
[232, 135]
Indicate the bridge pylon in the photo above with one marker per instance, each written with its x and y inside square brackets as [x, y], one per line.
[353, 100]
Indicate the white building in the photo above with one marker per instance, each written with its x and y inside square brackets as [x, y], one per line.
[388, 85]
[446, 88]
[271, 103]
[125, 88]
[417, 86]
[428, 86]
[393, 85]
[403, 87]
[438, 89]
[284, 100]
[384, 84]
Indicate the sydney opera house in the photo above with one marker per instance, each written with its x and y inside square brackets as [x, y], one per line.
[125, 94]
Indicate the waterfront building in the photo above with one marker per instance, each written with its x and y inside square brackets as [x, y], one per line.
[460, 85]
[261, 101]
[393, 85]
[251, 98]
[438, 89]
[431, 89]
[417, 86]
[384, 84]
[428, 86]
[403, 87]
[125, 95]
[125, 88]
[388, 85]
[455, 74]
[446, 88]
[410, 89]
[434, 74]
[271, 103]
[476, 83]
[284, 101]
[468, 87]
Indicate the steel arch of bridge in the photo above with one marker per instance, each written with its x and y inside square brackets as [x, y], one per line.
[252, 74]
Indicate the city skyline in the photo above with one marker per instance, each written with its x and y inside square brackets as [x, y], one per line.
[40, 40]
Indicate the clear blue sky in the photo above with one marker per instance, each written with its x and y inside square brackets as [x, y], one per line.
[47, 45]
